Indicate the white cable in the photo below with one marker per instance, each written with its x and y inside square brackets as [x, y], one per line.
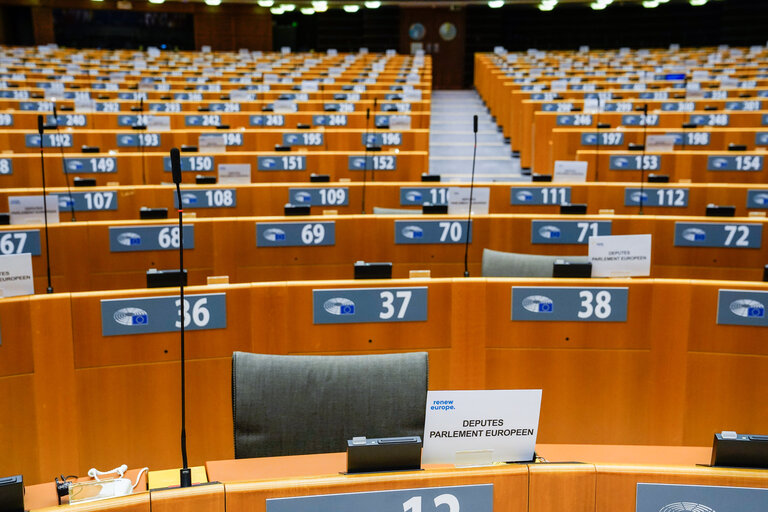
[94, 473]
[138, 478]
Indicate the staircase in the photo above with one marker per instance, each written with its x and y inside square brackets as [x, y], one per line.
[451, 141]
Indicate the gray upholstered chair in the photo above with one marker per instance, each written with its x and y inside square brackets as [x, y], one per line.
[291, 405]
[511, 264]
[378, 210]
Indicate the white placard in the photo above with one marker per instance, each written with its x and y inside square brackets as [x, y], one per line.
[458, 200]
[332, 52]
[591, 105]
[29, 209]
[558, 85]
[234, 174]
[481, 426]
[284, 106]
[159, 123]
[412, 94]
[570, 171]
[205, 49]
[620, 255]
[85, 105]
[212, 143]
[399, 122]
[16, 275]
[657, 143]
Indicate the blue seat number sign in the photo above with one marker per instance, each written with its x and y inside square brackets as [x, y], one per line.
[567, 231]
[712, 234]
[431, 232]
[363, 305]
[149, 238]
[569, 304]
[295, 234]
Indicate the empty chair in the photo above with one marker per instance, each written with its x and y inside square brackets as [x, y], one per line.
[378, 210]
[292, 405]
[511, 264]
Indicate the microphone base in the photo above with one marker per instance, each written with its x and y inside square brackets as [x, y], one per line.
[185, 477]
[466, 273]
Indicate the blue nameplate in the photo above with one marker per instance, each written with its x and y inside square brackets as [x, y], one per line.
[282, 163]
[634, 162]
[475, 498]
[149, 238]
[540, 195]
[6, 166]
[303, 139]
[567, 231]
[88, 201]
[145, 315]
[710, 234]
[50, 140]
[132, 120]
[362, 305]
[691, 138]
[165, 107]
[36, 106]
[329, 120]
[557, 107]
[574, 120]
[20, 242]
[761, 139]
[569, 304]
[640, 120]
[147, 140]
[6, 119]
[679, 106]
[621, 106]
[101, 165]
[757, 198]
[107, 106]
[699, 498]
[672, 197]
[325, 196]
[203, 120]
[710, 119]
[735, 163]
[602, 139]
[212, 198]
[745, 106]
[382, 139]
[295, 234]
[431, 232]
[372, 163]
[742, 307]
[191, 163]
[267, 120]
[421, 195]
[224, 107]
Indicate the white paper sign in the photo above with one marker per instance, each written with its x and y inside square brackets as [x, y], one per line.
[620, 255]
[234, 174]
[284, 106]
[159, 123]
[657, 143]
[458, 201]
[212, 143]
[29, 209]
[16, 275]
[399, 122]
[481, 426]
[570, 171]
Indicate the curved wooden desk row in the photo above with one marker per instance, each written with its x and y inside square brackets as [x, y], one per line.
[668, 374]
[566, 141]
[180, 120]
[247, 484]
[545, 123]
[710, 167]
[118, 253]
[124, 202]
[253, 139]
[154, 167]
[164, 102]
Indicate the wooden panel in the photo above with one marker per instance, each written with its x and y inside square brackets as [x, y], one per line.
[616, 485]
[137, 420]
[18, 430]
[15, 327]
[214, 29]
[553, 488]
[510, 493]
[202, 498]
[253, 31]
[42, 23]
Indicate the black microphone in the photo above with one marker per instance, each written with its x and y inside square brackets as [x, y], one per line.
[41, 129]
[185, 474]
[64, 164]
[471, 191]
[365, 157]
[176, 166]
[642, 158]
